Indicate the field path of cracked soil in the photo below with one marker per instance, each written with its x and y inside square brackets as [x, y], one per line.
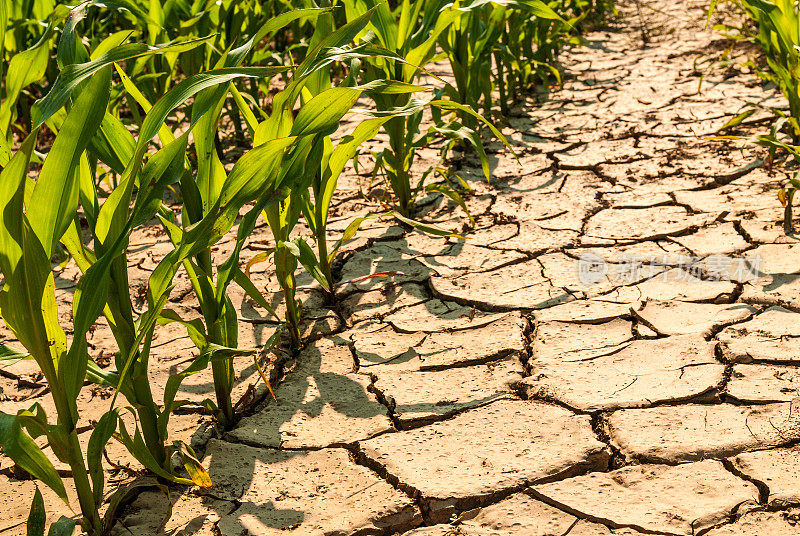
[614, 351]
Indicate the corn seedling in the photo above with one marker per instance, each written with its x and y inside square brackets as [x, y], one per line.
[105, 225]
[311, 164]
[492, 30]
[200, 190]
[29, 307]
[407, 38]
[27, 300]
[778, 24]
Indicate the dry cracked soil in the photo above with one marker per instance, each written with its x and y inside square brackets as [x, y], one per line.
[613, 351]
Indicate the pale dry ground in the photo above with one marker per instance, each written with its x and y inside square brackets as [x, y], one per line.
[491, 391]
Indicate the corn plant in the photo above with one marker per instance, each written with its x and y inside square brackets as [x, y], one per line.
[28, 301]
[407, 38]
[490, 30]
[313, 87]
[779, 35]
[29, 307]
[200, 192]
[113, 145]
[316, 168]
[531, 41]
[778, 24]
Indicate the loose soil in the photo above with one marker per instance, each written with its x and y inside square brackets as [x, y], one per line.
[596, 359]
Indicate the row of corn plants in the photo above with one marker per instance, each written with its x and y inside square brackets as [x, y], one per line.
[108, 105]
[777, 32]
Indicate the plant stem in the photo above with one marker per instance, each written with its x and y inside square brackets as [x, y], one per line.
[402, 182]
[148, 414]
[80, 475]
[222, 372]
[501, 83]
[292, 317]
[146, 408]
[324, 265]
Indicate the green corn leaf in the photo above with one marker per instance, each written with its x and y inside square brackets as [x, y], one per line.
[3, 26]
[24, 68]
[37, 515]
[12, 192]
[250, 175]
[321, 80]
[100, 437]
[164, 133]
[321, 55]
[424, 227]
[19, 446]
[217, 352]
[409, 15]
[308, 259]
[162, 169]
[70, 47]
[249, 117]
[27, 300]
[274, 24]
[111, 42]
[64, 526]
[422, 53]
[341, 36]
[344, 152]
[9, 355]
[454, 106]
[194, 327]
[199, 364]
[323, 112]
[737, 120]
[390, 87]
[210, 175]
[72, 75]
[349, 233]
[247, 285]
[55, 198]
[190, 87]
[113, 144]
[88, 197]
[452, 194]
[138, 449]
[535, 7]
[228, 271]
[285, 258]
[99, 376]
[34, 421]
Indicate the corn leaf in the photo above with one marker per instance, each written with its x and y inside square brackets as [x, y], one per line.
[424, 227]
[72, 75]
[55, 197]
[101, 434]
[37, 515]
[19, 446]
[64, 526]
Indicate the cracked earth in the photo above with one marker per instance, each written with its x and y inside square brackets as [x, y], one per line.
[492, 389]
